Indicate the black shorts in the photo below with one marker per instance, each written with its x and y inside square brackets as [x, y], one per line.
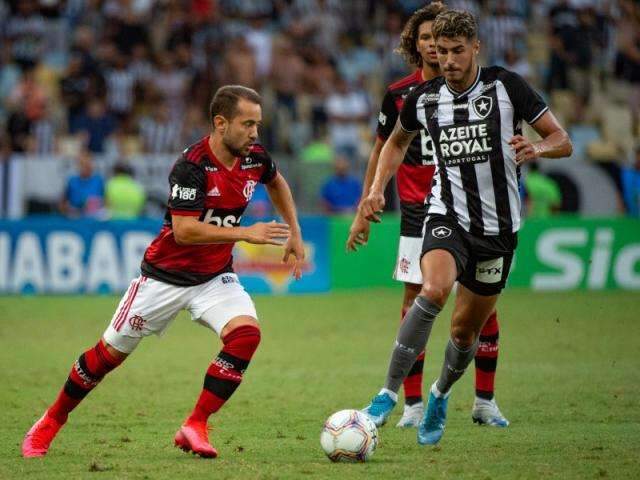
[483, 262]
[412, 219]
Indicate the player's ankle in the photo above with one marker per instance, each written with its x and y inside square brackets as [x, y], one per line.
[197, 417]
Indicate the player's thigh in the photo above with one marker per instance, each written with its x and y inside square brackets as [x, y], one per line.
[487, 270]
[220, 301]
[408, 261]
[146, 308]
[444, 256]
[470, 314]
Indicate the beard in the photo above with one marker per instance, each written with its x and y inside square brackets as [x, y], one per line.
[233, 149]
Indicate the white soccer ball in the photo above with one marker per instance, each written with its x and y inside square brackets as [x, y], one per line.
[349, 436]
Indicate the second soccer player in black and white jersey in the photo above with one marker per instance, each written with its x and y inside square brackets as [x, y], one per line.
[474, 116]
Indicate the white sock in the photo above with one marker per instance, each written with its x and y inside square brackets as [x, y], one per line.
[393, 395]
[437, 393]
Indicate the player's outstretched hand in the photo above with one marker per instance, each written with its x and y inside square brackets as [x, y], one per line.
[372, 206]
[525, 150]
[271, 233]
[295, 247]
[358, 233]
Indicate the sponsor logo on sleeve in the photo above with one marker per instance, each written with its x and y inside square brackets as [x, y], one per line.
[183, 193]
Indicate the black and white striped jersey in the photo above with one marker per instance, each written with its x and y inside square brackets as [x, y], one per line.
[476, 178]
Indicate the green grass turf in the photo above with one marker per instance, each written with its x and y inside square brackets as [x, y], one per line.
[568, 379]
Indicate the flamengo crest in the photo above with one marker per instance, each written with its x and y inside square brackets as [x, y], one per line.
[482, 105]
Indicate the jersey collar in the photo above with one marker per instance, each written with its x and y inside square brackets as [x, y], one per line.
[215, 160]
[473, 85]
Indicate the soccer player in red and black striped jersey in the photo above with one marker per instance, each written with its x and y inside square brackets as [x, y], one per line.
[413, 180]
[189, 266]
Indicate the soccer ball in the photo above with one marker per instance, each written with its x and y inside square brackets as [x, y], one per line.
[349, 436]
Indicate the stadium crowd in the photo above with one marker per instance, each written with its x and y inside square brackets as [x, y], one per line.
[125, 77]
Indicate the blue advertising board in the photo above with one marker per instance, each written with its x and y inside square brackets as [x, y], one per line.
[57, 255]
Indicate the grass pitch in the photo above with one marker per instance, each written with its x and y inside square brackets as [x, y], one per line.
[568, 380]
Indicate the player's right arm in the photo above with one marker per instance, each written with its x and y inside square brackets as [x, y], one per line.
[359, 230]
[391, 157]
[188, 230]
[187, 201]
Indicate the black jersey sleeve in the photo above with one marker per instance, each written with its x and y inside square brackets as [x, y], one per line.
[270, 170]
[187, 182]
[387, 117]
[409, 113]
[528, 105]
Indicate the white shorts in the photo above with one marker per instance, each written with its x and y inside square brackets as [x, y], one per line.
[408, 263]
[150, 305]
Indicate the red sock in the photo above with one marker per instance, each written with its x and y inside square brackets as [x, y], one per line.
[413, 383]
[225, 373]
[487, 358]
[86, 373]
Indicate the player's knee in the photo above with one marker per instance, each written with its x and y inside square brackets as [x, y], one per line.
[434, 293]
[114, 352]
[245, 337]
[462, 337]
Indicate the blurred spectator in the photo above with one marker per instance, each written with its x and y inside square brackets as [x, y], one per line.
[195, 125]
[172, 82]
[631, 185]
[348, 110]
[28, 96]
[95, 124]
[26, 30]
[627, 63]
[260, 38]
[287, 75]
[501, 31]
[9, 77]
[160, 132]
[581, 53]
[125, 141]
[341, 192]
[74, 88]
[563, 23]
[240, 64]
[124, 197]
[543, 194]
[84, 193]
[120, 83]
[517, 63]
[42, 134]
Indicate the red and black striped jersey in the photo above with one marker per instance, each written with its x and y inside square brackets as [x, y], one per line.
[203, 187]
[416, 171]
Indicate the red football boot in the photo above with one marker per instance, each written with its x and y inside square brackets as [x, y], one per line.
[37, 440]
[194, 437]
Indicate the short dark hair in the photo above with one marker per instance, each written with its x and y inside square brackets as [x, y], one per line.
[409, 36]
[455, 23]
[226, 99]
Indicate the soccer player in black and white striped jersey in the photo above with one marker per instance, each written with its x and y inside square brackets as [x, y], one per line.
[474, 116]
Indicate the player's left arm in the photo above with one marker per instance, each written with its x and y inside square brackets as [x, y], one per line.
[529, 106]
[282, 199]
[555, 141]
